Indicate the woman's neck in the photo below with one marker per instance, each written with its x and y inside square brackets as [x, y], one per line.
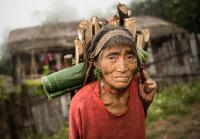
[115, 101]
[106, 88]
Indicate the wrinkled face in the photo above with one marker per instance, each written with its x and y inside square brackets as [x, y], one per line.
[117, 64]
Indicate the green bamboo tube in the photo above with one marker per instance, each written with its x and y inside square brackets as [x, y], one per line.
[63, 81]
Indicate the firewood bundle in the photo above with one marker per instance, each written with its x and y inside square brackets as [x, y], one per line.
[87, 29]
[72, 78]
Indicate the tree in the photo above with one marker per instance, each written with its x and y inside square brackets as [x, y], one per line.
[183, 13]
[5, 61]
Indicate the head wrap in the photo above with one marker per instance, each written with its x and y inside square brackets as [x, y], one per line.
[106, 37]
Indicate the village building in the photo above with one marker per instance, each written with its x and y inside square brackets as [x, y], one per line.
[36, 47]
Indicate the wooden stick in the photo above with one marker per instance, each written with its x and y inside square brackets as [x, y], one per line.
[140, 41]
[95, 25]
[146, 33]
[79, 50]
[131, 24]
[123, 12]
[82, 31]
[88, 34]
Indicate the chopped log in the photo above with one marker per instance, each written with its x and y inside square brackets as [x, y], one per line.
[146, 33]
[140, 41]
[88, 34]
[79, 50]
[130, 24]
[124, 12]
[95, 25]
[68, 60]
[82, 31]
[113, 20]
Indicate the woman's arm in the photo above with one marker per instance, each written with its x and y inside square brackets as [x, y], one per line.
[146, 90]
[73, 124]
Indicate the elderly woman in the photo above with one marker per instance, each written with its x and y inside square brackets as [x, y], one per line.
[114, 105]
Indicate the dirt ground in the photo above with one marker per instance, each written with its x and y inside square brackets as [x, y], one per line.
[177, 127]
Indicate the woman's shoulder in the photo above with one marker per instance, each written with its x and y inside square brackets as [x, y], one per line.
[84, 93]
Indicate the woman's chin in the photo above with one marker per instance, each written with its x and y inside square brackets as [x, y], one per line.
[121, 85]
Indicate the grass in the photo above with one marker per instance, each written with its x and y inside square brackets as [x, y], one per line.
[62, 134]
[174, 101]
[170, 106]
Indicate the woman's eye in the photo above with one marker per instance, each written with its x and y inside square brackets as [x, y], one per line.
[112, 57]
[130, 57]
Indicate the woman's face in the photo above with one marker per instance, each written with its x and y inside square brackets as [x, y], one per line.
[117, 64]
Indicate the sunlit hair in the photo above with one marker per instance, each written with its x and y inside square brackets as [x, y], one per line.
[115, 40]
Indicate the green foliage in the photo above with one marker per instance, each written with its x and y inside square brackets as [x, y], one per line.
[3, 94]
[175, 100]
[6, 64]
[62, 134]
[97, 73]
[46, 70]
[37, 90]
[143, 55]
[33, 82]
[181, 12]
[35, 86]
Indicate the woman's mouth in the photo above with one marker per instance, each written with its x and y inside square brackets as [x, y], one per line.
[121, 78]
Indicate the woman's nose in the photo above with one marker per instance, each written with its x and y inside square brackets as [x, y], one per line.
[121, 66]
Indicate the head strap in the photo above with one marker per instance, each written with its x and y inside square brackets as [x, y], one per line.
[106, 37]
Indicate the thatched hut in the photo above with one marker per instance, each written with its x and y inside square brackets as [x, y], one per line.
[33, 47]
[29, 45]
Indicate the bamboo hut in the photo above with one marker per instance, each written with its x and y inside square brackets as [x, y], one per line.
[171, 60]
[169, 46]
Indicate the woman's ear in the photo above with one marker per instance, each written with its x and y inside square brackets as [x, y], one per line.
[96, 64]
[97, 72]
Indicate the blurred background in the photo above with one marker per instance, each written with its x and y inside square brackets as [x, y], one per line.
[35, 36]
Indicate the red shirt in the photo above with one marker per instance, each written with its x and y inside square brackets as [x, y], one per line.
[89, 118]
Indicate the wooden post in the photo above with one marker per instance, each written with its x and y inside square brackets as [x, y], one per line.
[58, 61]
[68, 60]
[18, 68]
[68, 63]
[10, 115]
[14, 72]
[33, 64]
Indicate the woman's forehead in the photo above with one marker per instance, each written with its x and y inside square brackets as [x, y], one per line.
[118, 47]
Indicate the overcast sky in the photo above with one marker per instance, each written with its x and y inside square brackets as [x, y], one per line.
[25, 13]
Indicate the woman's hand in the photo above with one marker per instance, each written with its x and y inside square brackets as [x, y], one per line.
[147, 89]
